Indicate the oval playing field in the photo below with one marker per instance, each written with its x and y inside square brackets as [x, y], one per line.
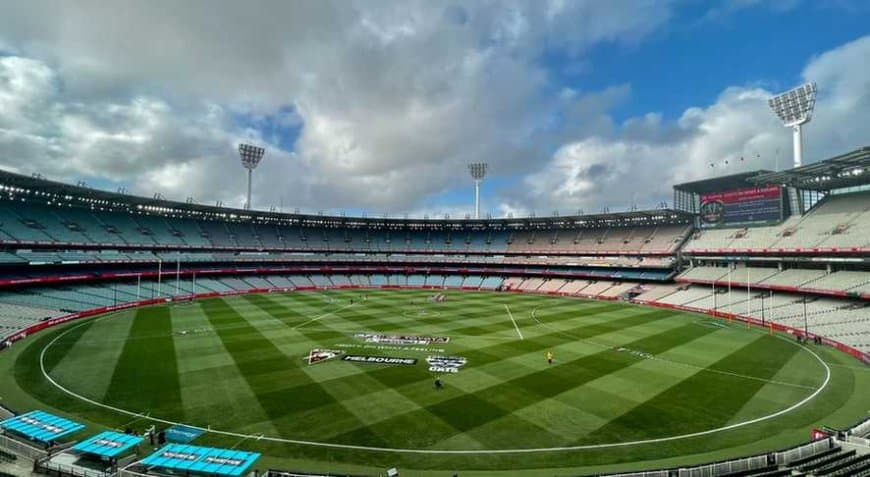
[626, 383]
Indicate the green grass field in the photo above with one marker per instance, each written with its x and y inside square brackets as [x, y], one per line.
[622, 374]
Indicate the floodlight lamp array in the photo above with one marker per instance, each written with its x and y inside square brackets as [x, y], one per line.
[477, 170]
[251, 155]
[795, 106]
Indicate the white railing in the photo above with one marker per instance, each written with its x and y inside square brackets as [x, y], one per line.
[721, 468]
[73, 471]
[805, 450]
[19, 448]
[738, 465]
[862, 429]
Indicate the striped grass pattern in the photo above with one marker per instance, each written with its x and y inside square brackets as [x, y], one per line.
[621, 373]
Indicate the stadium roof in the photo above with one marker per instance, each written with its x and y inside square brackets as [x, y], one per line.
[201, 460]
[41, 426]
[37, 188]
[847, 170]
[108, 444]
[722, 183]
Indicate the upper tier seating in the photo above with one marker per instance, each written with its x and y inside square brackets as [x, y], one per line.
[839, 221]
[662, 239]
[28, 222]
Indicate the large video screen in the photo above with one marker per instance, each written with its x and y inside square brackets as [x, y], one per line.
[741, 207]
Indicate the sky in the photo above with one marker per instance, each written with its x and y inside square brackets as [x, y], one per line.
[377, 107]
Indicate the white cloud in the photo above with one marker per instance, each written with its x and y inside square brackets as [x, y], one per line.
[645, 156]
[395, 98]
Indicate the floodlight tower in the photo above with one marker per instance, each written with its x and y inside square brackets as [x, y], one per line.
[795, 108]
[478, 171]
[251, 157]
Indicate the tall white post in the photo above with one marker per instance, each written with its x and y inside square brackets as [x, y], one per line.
[748, 293]
[477, 199]
[248, 203]
[478, 172]
[730, 301]
[177, 274]
[797, 144]
[138, 285]
[159, 275]
[713, 286]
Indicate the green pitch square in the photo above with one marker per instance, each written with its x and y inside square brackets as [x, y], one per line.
[566, 421]
[502, 433]
[473, 379]
[466, 412]
[411, 430]
[335, 371]
[320, 422]
[379, 406]
[638, 382]
[359, 383]
[589, 400]
[299, 398]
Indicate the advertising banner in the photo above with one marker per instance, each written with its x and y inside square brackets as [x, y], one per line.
[756, 205]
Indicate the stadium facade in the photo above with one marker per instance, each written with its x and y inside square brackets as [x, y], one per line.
[785, 250]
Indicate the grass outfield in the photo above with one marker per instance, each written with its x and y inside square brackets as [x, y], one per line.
[622, 374]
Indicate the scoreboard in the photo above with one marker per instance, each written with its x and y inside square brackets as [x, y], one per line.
[749, 206]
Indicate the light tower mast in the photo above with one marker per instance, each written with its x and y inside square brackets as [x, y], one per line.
[251, 157]
[795, 108]
[478, 171]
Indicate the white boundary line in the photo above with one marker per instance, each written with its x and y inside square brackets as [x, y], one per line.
[437, 451]
[511, 315]
[317, 318]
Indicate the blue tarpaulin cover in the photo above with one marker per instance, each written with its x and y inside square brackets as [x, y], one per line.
[108, 444]
[182, 434]
[41, 426]
[203, 460]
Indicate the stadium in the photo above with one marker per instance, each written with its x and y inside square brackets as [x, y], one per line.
[725, 332]
[670, 341]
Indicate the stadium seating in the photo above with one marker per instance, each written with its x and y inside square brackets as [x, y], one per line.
[843, 320]
[14, 317]
[663, 239]
[840, 221]
[488, 283]
[30, 222]
[799, 279]
[552, 285]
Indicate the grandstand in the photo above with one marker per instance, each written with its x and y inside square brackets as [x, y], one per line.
[838, 223]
